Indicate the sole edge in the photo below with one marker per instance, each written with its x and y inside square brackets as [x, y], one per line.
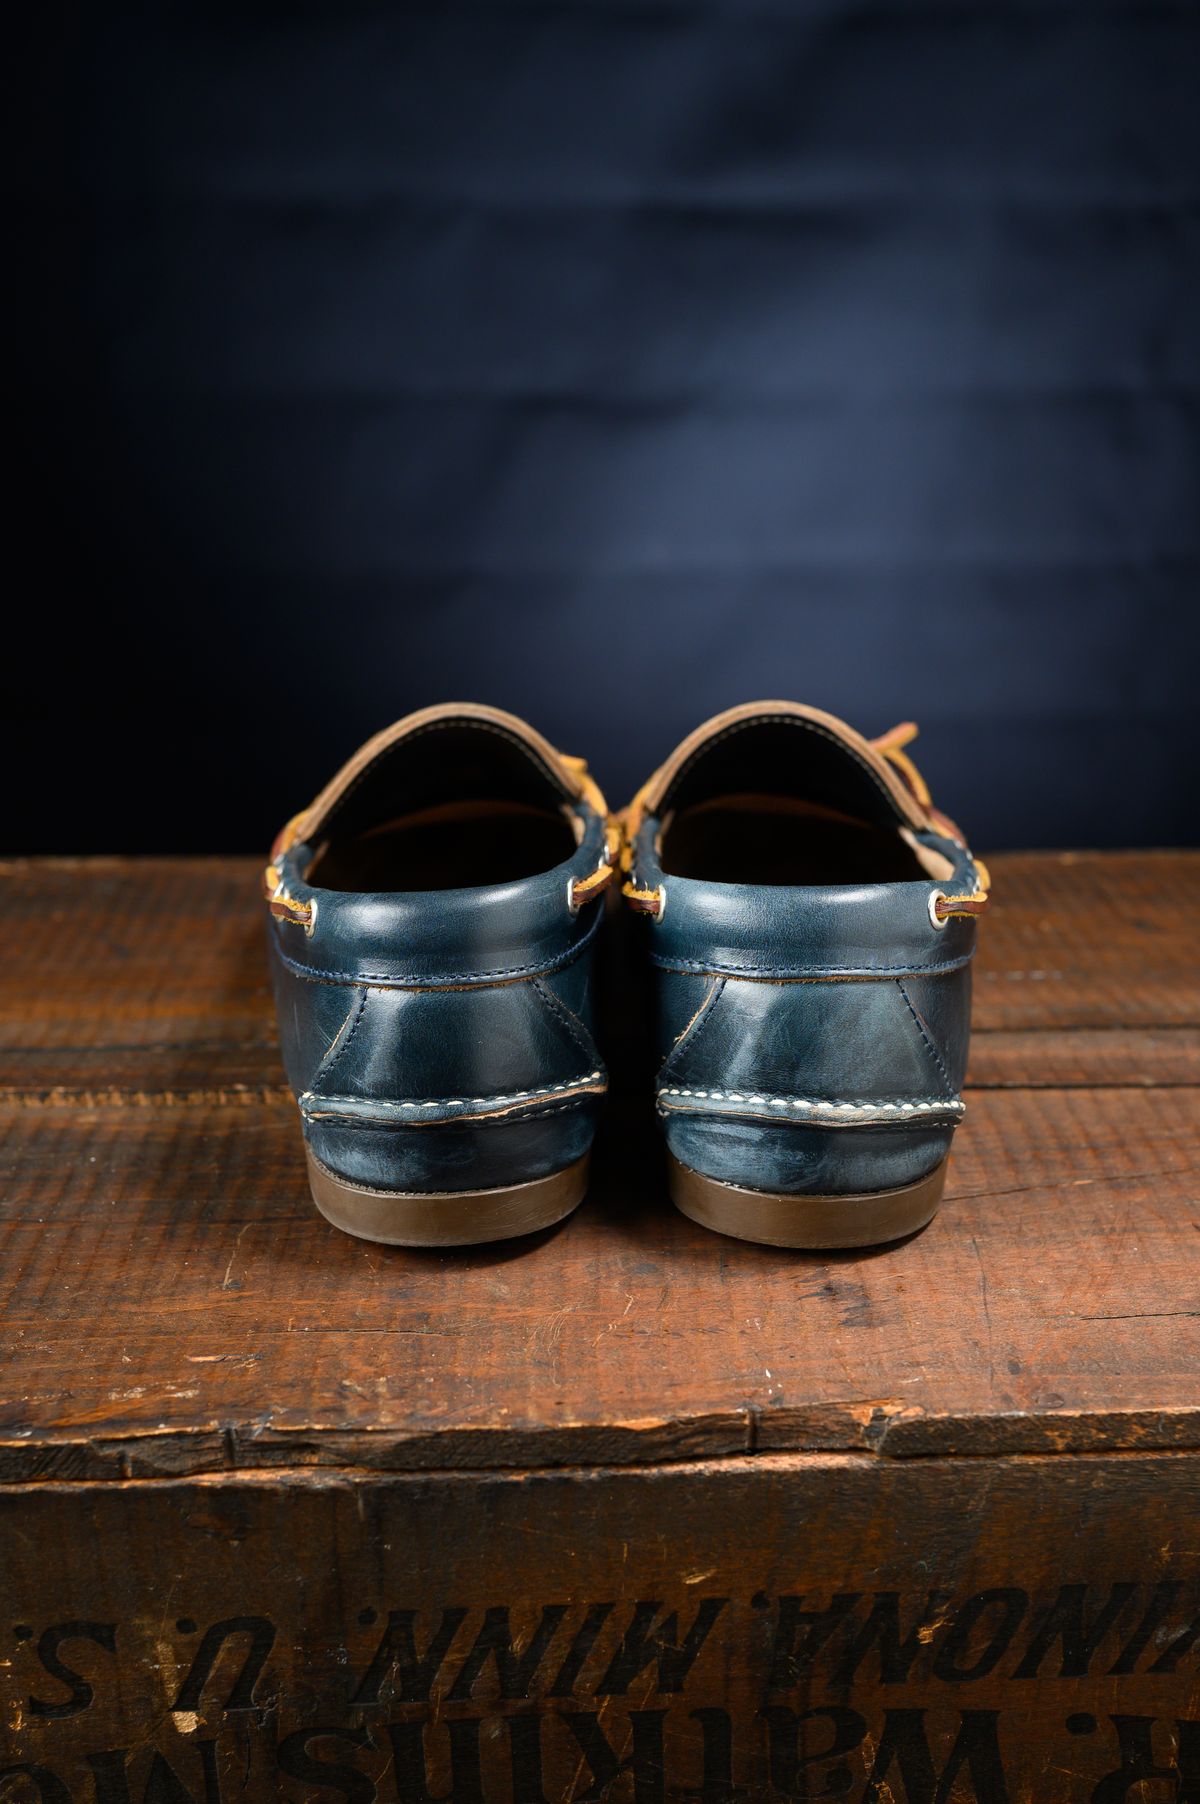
[811, 1223]
[446, 1218]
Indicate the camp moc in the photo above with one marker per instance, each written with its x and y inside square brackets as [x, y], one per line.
[432, 921]
[811, 920]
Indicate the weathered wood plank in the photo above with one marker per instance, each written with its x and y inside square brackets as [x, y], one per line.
[150, 1153]
[172, 1302]
[1023, 1058]
[146, 974]
[1091, 940]
[768, 1629]
[745, 1561]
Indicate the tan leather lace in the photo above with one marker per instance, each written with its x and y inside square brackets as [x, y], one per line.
[581, 890]
[283, 905]
[890, 745]
[645, 901]
[642, 901]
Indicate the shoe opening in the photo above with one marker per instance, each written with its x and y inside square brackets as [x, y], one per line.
[779, 802]
[458, 806]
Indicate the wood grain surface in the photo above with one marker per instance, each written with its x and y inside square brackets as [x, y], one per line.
[627, 1514]
[935, 1631]
[171, 1303]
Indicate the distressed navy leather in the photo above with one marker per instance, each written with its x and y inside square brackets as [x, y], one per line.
[813, 1036]
[439, 1039]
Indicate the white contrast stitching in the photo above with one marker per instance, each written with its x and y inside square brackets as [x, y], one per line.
[820, 1104]
[312, 1098]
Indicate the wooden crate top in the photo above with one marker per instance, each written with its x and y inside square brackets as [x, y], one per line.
[170, 1301]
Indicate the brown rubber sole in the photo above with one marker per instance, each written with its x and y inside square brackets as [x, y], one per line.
[817, 1222]
[446, 1218]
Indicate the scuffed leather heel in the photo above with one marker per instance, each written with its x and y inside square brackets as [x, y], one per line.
[810, 919]
[432, 922]
[446, 1218]
[869, 1218]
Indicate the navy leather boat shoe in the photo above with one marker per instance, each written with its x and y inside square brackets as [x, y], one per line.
[812, 919]
[432, 921]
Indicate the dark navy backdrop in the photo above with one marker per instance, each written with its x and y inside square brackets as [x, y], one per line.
[613, 361]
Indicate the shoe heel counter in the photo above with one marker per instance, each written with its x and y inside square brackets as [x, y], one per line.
[451, 1090]
[817, 1086]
